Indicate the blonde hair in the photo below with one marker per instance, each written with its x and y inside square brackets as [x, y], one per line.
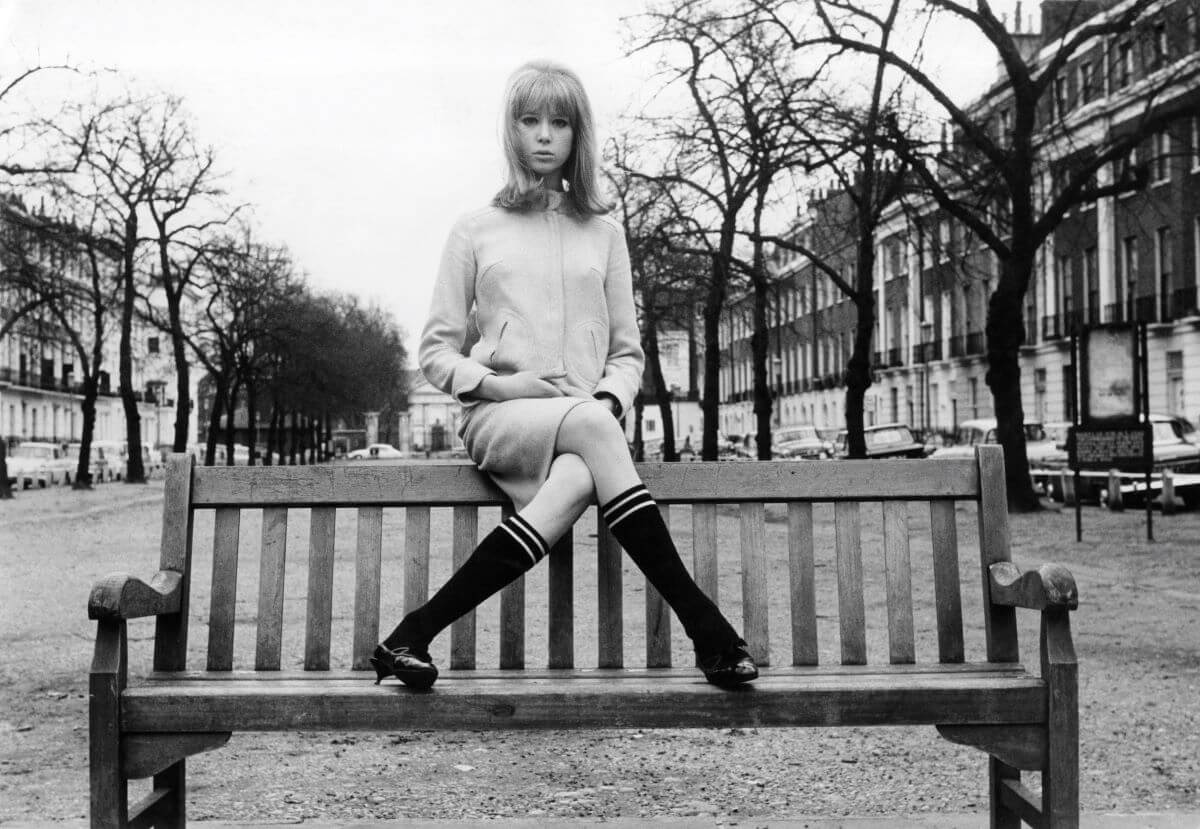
[538, 85]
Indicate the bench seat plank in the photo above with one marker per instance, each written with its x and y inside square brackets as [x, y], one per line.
[582, 699]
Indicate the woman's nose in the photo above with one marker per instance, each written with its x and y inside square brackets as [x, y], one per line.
[543, 132]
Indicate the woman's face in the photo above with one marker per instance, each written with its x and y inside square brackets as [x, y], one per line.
[545, 141]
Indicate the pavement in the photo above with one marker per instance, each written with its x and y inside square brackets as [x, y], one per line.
[974, 820]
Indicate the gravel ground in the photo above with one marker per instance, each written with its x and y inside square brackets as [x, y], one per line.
[1137, 634]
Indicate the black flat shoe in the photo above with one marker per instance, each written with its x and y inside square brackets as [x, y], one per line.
[732, 667]
[414, 668]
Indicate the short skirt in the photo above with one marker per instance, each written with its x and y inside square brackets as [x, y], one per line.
[513, 441]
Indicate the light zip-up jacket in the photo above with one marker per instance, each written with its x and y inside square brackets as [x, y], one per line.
[549, 293]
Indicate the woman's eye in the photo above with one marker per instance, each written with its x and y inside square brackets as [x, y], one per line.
[529, 120]
[562, 123]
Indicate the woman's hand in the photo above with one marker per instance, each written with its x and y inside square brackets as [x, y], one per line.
[515, 386]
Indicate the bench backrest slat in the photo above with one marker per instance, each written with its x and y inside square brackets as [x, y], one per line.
[1000, 622]
[226, 532]
[755, 629]
[368, 559]
[462, 630]
[319, 618]
[658, 618]
[416, 557]
[271, 566]
[560, 616]
[947, 594]
[901, 647]
[610, 631]
[851, 609]
[802, 580]
[704, 549]
[512, 618]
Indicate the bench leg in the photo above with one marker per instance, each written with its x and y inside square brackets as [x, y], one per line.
[174, 779]
[1060, 779]
[109, 795]
[1002, 817]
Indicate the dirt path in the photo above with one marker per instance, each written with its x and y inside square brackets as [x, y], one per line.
[1137, 634]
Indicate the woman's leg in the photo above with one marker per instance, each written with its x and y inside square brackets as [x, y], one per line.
[512, 548]
[590, 431]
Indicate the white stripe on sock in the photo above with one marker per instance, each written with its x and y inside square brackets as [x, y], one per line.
[524, 544]
[612, 522]
[612, 508]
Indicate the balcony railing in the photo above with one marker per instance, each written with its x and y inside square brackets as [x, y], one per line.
[895, 357]
[927, 352]
[958, 346]
[975, 342]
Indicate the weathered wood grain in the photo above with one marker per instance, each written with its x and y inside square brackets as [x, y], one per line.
[368, 560]
[802, 579]
[947, 594]
[1020, 746]
[1060, 671]
[121, 596]
[144, 755]
[610, 632]
[448, 484]
[1050, 585]
[319, 619]
[106, 683]
[223, 606]
[658, 618]
[666, 698]
[1000, 622]
[851, 607]
[171, 629]
[560, 612]
[753, 537]
[898, 575]
[704, 549]
[462, 630]
[416, 557]
[271, 567]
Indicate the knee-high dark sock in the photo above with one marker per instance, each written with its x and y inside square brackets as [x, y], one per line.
[506, 553]
[637, 524]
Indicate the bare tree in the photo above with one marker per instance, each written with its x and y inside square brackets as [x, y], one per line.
[989, 179]
[722, 160]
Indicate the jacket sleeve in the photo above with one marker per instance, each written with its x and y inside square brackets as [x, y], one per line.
[441, 351]
[623, 367]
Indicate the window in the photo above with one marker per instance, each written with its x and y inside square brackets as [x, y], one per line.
[1193, 28]
[1061, 104]
[1124, 68]
[1091, 281]
[1126, 172]
[1004, 121]
[1086, 80]
[1195, 143]
[1066, 288]
[1161, 162]
[152, 345]
[1159, 49]
[1129, 274]
[943, 240]
[1162, 266]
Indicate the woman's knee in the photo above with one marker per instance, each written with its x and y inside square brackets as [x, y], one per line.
[572, 477]
[587, 425]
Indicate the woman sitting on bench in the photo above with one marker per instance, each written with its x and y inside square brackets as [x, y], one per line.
[543, 275]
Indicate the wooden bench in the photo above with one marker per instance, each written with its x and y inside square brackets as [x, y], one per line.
[1023, 720]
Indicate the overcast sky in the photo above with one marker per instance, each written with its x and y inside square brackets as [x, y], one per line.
[359, 130]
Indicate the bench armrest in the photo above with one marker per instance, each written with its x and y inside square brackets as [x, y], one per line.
[121, 596]
[1049, 586]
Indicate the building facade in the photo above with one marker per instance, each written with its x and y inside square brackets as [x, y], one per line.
[41, 391]
[1134, 256]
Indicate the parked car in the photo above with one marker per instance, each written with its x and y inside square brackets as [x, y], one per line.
[376, 451]
[97, 464]
[41, 464]
[886, 440]
[1175, 444]
[792, 442]
[972, 433]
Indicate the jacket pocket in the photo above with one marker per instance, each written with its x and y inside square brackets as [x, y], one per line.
[586, 352]
[513, 349]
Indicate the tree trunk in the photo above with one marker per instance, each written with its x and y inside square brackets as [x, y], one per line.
[251, 421]
[639, 442]
[858, 372]
[759, 342]
[710, 401]
[5, 489]
[293, 435]
[230, 411]
[1005, 334]
[220, 391]
[83, 472]
[272, 435]
[183, 399]
[135, 471]
[662, 394]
